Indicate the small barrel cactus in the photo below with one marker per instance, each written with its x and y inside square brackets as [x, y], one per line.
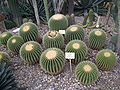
[86, 72]
[30, 52]
[14, 43]
[4, 38]
[105, 59]
[52, 61]
[97, 39]
[79, 48]
[53, 39]
[29, 31]
[58, 22]
[4, 57]
[74, 32]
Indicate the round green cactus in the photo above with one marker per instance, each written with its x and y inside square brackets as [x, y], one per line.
[30, 52]
[4, 57]
[53, 39]
[97, 39]
[4, 38]
[79, 48]
[86, 72]
[74, 32]
[58, 22]
[29, 31]
[14, 43]
[52, 61]
[106, 59]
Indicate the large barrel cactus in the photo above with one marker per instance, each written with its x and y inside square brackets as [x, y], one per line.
[74, 32]
[58, 22]
[86, 72]
[30, 52]
[52, 61]
[29, 31]
[79, 48]
[4, 57]
[14, 43]
[106, 59]
[4, 37]
[97, 39]
[53, 39]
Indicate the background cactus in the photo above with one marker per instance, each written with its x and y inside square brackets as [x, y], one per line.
[74, 32]
[53, 39]
[4, 38]
[30, 52]
[97, 39]
[79, 48]
[58, 22]
[86, 72]
[106, 59]
[14, 43]
[52, 61]
[4, 57]
[91, 17]
[29, 31]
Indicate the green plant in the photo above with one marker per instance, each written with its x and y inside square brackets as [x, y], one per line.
[14, 43]
[29, 31]
[52, 61]
[79, 48]
[91, 17]
[4, 57]
[105, 59]
[7, 80]
[86, 72]
[53, 39]
[58, 22]
[4, 37]
[97, 39]
[74, 32]
[9, 24]
[30, 52]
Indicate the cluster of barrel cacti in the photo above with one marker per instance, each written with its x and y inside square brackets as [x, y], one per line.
[52, 60]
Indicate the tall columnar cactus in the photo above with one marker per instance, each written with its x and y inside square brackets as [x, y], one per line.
[53, 39]
[14, 43]
[52, 61]
[106, 59]
[4, 38]
[58, 22]
[79, 48]
[85, 18]
[97, 39]
[4, 57]
[29, 31]
[74, 32]
[30, 52]
[86, 72]
[91, 16]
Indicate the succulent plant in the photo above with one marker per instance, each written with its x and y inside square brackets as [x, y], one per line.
[29, 31]
[4, 57]
[14, 43]
[91, 16]
[58, 22]
[7, 80]
[30, 52]
[53, 39]
[86, 72]
[74, 32]
[105, 59]
[52, 61]
[4, 37]
[97, 39]
[79, 48]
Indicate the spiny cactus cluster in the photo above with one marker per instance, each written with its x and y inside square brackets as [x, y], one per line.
[4, 57]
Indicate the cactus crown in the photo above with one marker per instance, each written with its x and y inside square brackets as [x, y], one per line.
[57, 17]
[76, 45]
[73, 29]
[87, 68]
[98, 33]
[52, 34]
[29, 47]
[26, 28]
[14, 41]
[4, 35]
[107, 54]
[51, 54]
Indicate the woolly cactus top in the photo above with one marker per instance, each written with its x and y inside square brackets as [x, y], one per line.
[98, 33]
[51, 54]
[29, 47]
[26, 28]
[52, 34]
[107, 54]
[76, 45]
[87, 68]
[73, 29]
[4, 35]
[57, 17]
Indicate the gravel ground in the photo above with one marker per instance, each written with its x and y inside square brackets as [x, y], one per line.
[33, 77]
